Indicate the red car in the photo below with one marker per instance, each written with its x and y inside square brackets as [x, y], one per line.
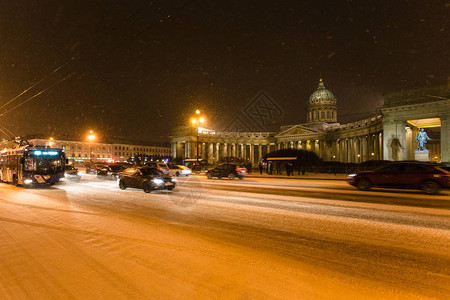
[415, 175]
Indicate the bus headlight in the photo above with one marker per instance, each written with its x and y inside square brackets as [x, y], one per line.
[62, 179]
[28, 181]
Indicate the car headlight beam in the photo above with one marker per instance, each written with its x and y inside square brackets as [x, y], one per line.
[158, 181]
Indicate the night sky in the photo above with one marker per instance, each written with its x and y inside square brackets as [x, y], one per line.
[131, 70]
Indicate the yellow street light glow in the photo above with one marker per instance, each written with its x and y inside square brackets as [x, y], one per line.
[202, 120]
[91, 135]
[197, 112]
[194, 121]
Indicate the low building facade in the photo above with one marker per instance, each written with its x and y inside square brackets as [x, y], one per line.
[103, 152]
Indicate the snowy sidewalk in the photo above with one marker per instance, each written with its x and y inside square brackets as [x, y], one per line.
[311, 176]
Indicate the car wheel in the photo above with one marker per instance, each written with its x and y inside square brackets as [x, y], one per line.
[241, 177]
[147, 188]
[15, 181]
[363, 184]
[231, 176]
[171, 188]
[177, 174]
[209, 175]
[122, 185]
[430, 187]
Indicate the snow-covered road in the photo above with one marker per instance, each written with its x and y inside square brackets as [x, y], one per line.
[256, 238]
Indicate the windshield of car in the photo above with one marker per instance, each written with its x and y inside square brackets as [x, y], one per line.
[151, 171]
[116, 168]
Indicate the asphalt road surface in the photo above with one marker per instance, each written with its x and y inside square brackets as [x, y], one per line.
[253, 238]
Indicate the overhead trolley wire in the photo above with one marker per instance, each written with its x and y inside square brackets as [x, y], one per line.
[94, 59]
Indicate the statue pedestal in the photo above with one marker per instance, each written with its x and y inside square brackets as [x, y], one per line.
[421, 155]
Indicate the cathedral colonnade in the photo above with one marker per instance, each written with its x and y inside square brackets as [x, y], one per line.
[347, 150]
[214, 152]
[388, 135]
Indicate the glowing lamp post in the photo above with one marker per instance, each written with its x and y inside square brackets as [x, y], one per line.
[91, 138]
[51, 142]
[196, 122]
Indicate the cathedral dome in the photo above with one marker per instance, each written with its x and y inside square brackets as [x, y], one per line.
[322, 96]
[322, 106]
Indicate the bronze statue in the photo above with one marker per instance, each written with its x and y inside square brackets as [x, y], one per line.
[422, 138]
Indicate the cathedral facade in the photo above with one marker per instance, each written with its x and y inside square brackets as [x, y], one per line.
[388, 135]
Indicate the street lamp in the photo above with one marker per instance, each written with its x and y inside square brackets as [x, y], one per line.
[91, 137]
[196, 121]
[51, 142]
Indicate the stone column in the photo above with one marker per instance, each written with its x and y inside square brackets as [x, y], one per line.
[380, 145]
[361, 144]
[225, 150]
[260, 152]
[445, 138]
[217, 152]
[186, 150]
[361, 149]
[210, 153]
[336, 151]
[174, 149]
[203, 151]
[377, 147]
[252, 153]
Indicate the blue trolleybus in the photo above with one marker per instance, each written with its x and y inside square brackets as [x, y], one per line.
[28, 165]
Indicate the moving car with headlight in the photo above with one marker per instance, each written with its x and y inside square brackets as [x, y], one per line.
[414, 175]
[91, 168]
[22, 163]
[110, 172]
[72, 173]
[146, 178]
[178, 170]
[230, 171]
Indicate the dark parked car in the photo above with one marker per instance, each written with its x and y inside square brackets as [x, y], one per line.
[109, 171]
[146, 178]
[427, 177]
[227, 170]
[72, 173]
